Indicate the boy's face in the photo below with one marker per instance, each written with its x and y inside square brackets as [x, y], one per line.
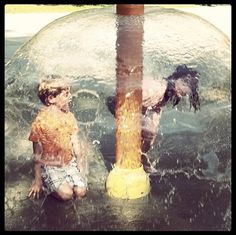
[63, 99]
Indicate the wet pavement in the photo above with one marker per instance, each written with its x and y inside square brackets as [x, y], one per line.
[178, 201]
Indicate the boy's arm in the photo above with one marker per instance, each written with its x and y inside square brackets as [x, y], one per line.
[37, 183]
[77, 152]
[38, 150]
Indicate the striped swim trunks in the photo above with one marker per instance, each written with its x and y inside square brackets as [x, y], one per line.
[53, 176]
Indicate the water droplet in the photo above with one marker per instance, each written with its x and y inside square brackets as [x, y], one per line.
[96, 142]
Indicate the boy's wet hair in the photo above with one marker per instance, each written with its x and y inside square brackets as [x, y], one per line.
[51, 85]
[190, 77]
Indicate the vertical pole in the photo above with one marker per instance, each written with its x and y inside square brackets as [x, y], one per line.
[129, 69]
[130, 9]
[128, 180]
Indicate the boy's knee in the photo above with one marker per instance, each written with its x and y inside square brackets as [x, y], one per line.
[80, 192]
[65, 193]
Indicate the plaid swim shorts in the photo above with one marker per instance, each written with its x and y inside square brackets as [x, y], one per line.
[53, 176]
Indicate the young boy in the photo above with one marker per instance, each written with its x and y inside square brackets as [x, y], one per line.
[58, 161]
[156, 94]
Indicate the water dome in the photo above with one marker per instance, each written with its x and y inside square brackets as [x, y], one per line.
[192, 153]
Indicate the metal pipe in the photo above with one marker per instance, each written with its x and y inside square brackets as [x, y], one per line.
[128, 180]
[130, 9]
[129, 73]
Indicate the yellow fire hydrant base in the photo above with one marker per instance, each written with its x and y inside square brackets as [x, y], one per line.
[127, 183]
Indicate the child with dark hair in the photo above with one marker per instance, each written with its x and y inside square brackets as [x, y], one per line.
[156, 94]
[58, 160]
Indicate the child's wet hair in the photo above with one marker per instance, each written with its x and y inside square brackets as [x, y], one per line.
[187, 75]
[51, 85]
[190, 77]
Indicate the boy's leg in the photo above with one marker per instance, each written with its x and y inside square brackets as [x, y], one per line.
[79, 191]
[64, 192]
[76, 179]
[55, 182]
[147, 139]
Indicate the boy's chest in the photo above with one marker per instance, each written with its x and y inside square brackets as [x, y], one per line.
[58, 124]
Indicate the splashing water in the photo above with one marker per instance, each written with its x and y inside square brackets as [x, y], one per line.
[191, 189]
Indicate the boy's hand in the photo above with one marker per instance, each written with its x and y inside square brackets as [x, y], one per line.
[35, 189]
